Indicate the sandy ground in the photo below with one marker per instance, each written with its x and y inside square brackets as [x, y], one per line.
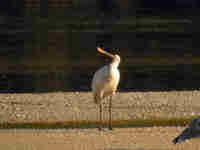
[80, 106]
[155, 138]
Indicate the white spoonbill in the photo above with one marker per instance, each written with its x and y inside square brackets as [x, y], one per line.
[104, 84]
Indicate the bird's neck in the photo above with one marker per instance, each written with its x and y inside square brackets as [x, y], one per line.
[114, 65]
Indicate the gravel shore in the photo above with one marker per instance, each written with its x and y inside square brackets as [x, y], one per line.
[79, 106]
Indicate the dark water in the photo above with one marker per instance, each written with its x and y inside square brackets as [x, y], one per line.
[81, 81]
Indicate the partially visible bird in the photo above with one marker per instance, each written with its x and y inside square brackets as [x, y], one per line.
[104, 84]
[193, 130]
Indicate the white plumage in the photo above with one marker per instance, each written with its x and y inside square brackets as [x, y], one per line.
[105, 83]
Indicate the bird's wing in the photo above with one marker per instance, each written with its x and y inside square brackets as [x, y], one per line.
[99, 77]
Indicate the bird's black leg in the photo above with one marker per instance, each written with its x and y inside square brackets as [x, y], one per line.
[110, 114]
[100, 116]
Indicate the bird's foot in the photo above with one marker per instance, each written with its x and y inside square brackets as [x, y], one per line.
[110, 128]
[100, 128]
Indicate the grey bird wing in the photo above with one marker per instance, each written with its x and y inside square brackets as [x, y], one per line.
[193, 130]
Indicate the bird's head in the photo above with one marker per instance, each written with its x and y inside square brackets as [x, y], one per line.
[115, 58]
